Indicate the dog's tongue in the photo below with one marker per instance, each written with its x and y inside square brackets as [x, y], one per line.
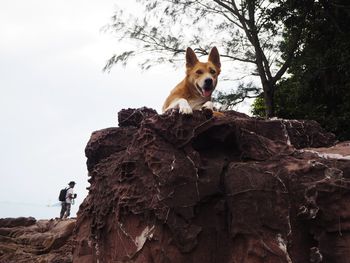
[207, 93]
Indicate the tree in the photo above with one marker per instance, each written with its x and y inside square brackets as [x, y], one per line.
[318, 86]
[245, 31]
[228, 100]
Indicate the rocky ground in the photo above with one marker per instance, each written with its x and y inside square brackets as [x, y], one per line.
[190, 189]
[27, 240]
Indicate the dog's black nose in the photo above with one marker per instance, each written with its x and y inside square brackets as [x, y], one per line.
[208, 82]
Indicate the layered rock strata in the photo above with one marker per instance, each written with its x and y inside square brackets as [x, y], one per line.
[24, 240]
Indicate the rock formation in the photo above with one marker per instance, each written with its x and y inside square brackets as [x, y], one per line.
[178, 188]
[26, 240]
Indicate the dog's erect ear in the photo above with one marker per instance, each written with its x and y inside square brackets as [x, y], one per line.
[214, 57]
[191, 58]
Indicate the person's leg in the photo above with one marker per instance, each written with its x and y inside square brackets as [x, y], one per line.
[63, 209]
[68, 206]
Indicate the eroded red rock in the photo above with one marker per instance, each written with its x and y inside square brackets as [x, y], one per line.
[179, 188]
[24, 240]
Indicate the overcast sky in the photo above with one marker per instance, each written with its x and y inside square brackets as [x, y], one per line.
[54, 95]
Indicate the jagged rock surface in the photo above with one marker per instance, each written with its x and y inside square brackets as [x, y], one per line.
[177, 188]
[24, 240]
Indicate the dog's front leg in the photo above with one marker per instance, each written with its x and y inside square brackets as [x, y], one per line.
[208, 105]
[183, 106]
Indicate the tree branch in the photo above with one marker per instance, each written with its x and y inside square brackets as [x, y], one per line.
[291, 51]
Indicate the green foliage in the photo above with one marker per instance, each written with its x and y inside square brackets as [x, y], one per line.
[319, 84]
[258, 107]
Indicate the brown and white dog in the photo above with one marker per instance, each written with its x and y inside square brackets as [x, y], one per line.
[194, 92]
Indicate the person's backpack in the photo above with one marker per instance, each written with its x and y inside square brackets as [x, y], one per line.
[62, 195]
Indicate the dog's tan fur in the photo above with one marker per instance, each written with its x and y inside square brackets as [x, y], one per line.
[195, 90]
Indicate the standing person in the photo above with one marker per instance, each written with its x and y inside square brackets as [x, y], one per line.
[66, 205]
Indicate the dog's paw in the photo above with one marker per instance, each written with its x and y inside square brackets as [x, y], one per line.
[185, 109]
[208, 105]
[184, 106]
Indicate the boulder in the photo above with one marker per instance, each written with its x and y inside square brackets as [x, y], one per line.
[196, 188]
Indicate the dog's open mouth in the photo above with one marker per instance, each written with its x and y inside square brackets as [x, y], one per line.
[205, 92]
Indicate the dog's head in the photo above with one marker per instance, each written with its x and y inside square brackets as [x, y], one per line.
[203, 76]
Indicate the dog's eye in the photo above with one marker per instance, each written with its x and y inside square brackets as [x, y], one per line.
[212, 71]
[199, 72]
